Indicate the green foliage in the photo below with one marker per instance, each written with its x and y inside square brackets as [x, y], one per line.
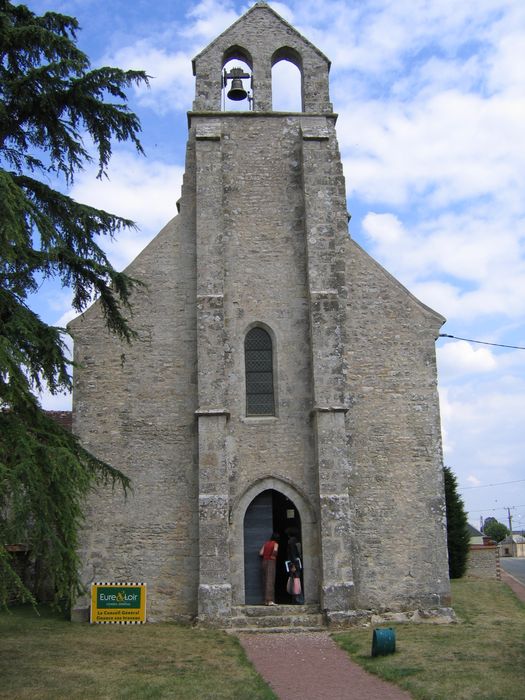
[44, 477]
[457, 532]
[495, 530]
[50, 103]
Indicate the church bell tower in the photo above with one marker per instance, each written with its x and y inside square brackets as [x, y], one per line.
[271, 224]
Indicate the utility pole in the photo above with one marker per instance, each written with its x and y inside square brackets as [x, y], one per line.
[510, 520]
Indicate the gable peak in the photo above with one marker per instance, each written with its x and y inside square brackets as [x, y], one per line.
[260, 38]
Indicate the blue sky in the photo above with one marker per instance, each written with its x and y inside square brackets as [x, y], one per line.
[431, 102]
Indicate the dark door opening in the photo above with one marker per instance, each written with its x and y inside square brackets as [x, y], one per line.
[269, 512]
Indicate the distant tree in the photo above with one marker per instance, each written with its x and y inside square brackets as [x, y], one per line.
[487, 521]
[54, 111]
[457, 527]
[495, 530]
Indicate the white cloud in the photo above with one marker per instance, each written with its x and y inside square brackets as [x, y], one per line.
[384, 230]
[209, 18]
[461, 358]
[62, 304]
[143, 190]
[172, 83]
[465, 265]
[484, 440]
[444, 297]
[507, 60]
[376, 37]
[66, 317]
[450, 147]
[283, 10]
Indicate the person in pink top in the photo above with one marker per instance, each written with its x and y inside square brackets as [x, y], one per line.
[268, 552]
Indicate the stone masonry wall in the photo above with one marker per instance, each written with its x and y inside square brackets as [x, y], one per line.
[483, 562]
[355, 443]
[134, 407]
[396, 485]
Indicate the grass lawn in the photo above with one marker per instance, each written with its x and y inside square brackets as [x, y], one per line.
[48, 657]
[482, 658]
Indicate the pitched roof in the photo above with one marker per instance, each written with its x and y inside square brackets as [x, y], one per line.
[64, 418]
[473, 532]
[516, 539]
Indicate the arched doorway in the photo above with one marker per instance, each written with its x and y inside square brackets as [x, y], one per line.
[270, 511]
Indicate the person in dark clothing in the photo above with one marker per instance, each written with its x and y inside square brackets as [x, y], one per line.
[294, 552]
[294, 586]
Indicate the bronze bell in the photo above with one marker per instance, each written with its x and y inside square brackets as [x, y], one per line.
[237, 91]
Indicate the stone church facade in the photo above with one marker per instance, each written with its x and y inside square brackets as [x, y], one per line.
[282, 378]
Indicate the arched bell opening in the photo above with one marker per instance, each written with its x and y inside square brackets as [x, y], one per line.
[270, 511]
[287, 81]
[237, 80]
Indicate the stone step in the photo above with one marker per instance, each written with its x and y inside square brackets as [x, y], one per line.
[277, 618]
[279, 621]
[264, 610]
[274, 630]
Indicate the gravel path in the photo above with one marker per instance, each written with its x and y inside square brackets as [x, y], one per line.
[310, 666]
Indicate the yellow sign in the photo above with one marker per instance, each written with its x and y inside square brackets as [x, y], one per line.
[118, 603]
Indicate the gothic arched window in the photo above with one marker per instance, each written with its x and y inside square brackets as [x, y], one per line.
[258, 355]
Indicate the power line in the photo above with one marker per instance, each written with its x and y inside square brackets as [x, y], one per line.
[484, 510]
[484, 486]
[482, 342]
